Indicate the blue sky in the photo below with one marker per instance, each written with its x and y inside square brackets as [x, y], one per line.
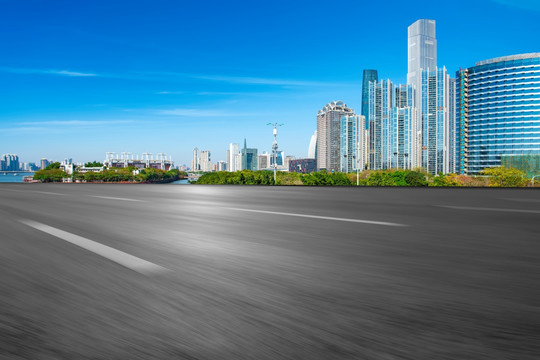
[80, 78]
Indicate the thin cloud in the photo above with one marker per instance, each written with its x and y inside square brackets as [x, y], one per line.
[521, 4]
[46, 72]
[198, 113]
[170, 92]
[244, 79]
[63, 123]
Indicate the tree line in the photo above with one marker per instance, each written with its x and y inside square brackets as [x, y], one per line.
[490, 177]
[53, 173]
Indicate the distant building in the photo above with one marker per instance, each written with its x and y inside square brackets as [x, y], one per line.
[113, 161]
[10, 162]
[303, 166]
[312, 151]
[249, 158]
[264, 161]
[234, 153]
[221, 166]
[287, 160]
[195, 160]
[44, 163]
[205, 163]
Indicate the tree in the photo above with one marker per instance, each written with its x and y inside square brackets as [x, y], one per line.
[52, 175]
[502, 176]
[93, 164]
[54, 165]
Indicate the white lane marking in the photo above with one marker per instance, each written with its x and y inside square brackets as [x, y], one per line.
[47, 192]
[522, 200]
[114, 198]
[320, 217]
[119, 257]
[489, 209]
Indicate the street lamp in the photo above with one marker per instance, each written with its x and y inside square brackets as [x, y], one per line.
[275, 147]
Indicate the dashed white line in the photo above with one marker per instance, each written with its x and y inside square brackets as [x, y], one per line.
[114, 198]
[119, 257]
[321, 217]
[489, 209]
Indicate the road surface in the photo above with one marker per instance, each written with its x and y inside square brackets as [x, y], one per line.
[95, 271]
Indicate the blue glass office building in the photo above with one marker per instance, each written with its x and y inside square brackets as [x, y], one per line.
[367, 77]
[498, 111]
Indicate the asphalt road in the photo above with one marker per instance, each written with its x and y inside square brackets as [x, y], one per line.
[239, 272]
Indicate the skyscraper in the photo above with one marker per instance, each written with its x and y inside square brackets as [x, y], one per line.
[381, 100]
[249, 158]
[422, 49]
[328, 135]
[367, 76]
[232, 164]
[352, 142]
[195, 160]
[431, 86]
[205, 163]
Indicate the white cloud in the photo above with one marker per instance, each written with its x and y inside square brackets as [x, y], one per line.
[198, 113]
[521, 4]
[46, 72]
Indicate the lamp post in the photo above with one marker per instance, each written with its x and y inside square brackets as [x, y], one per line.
[275, 147]
[532, 180]
[357, 166]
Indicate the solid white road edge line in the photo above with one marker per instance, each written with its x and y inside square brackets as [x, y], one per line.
[114, 198]
[119, 257]
[489, 209]
[320, 217]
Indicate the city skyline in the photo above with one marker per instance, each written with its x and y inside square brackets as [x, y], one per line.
[80, 81]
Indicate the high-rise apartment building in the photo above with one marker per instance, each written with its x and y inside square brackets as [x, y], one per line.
[497, 102]
[352, 146]
[195, 160]
[9, 162]
[367, 77]
[435, 110]
[392, 128]
[44, 163]
[232, 164]
[381, 101]
[328, 135]
[205, 163]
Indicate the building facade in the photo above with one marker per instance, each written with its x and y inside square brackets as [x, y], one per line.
[498, 105]
[205, 163]
[328, 135]
[369, 75]
[352, 142]
[304, 166]
[249, 158]
[9, 162]
[232, 162]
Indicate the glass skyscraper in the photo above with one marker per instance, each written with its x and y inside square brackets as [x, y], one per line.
[368, 75]
[498, 105]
